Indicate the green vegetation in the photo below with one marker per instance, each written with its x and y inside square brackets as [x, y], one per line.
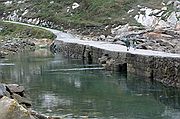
[20, 31]
[90, 12]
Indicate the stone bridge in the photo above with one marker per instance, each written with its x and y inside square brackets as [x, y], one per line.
[154, 67]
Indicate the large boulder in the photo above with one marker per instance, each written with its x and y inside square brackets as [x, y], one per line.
[15, 88]
[10, 109]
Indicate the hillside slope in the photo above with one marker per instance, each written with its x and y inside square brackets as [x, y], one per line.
[75, 12]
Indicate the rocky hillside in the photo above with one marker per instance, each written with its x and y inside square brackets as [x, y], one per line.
[73, 12]
[154, 24]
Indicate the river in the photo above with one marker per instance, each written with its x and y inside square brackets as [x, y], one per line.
[73, 89]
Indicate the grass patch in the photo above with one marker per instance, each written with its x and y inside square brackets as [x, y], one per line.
[21, 31]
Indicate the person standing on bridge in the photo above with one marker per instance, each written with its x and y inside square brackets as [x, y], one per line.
[128, 44]
[134, 43]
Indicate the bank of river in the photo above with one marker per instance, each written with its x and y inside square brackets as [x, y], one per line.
[70, 88]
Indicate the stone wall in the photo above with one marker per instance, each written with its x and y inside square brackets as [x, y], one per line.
[91, 54]
[163, 69]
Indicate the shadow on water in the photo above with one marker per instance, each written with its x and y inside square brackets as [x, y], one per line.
[60, 86]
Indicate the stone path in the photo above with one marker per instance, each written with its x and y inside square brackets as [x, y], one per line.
[67, 37]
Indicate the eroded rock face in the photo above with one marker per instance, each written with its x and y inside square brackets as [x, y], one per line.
[167, 16]
[15, 91]
[15, 105]
[2, 90]
[10, 109]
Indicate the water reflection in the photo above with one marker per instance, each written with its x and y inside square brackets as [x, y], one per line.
[50, 100]
[92, 93]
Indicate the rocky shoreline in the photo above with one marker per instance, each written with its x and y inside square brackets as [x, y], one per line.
[15, 104]
[11, 45]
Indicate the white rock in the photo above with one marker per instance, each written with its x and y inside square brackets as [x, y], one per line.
[169, 2]
[51, 2]
[68, 9]
[139, 6]
[162, 24]
[75, 5]
[130, 11]
[37, 22]
[102, 37]
[20, 19]
[164, 8]
[34, 21]
[176, 3]
[172, 19]
[163, 3]
[109, 37]
[109, 18]
[120, 29]
[178, 14]
[148, 11]
[143, 9]
[106, 27]
[25, 12]
[156, 11]
[178, 7]
[145, 20]
[8, 2]
[29, 21]
[177, 26]
[20, 2]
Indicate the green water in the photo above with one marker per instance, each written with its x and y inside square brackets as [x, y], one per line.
[70, 88]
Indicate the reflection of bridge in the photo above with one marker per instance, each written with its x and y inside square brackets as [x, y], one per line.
[169, 97]
[166, 95]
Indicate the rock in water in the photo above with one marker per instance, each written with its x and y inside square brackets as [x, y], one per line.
[10, 109]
